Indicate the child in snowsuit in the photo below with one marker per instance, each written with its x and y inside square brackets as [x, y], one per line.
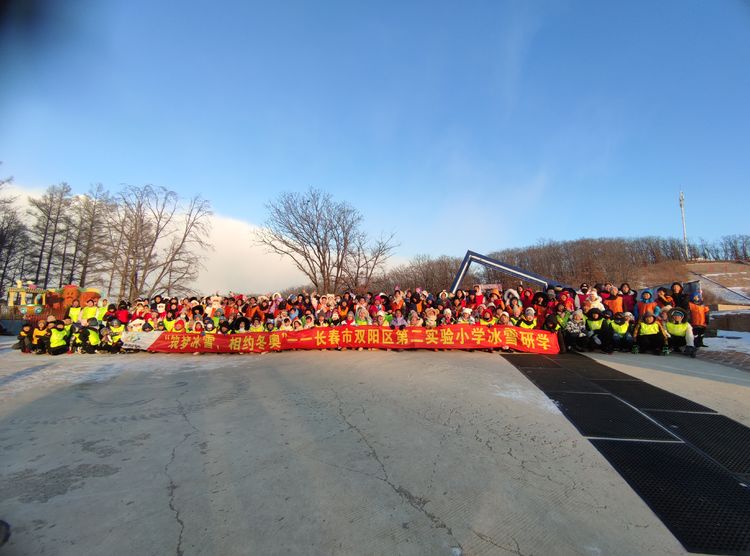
[24, 338]
[575, 332]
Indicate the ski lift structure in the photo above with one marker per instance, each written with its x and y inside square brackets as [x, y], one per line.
[489, 262]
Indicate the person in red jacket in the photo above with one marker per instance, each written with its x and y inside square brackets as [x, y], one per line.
[527, 296]
[479, 296]
[123, 314]
[628, 298]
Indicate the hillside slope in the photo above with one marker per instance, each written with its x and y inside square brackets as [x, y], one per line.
[722, 282]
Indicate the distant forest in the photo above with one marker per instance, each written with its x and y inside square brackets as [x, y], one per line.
[567, 262]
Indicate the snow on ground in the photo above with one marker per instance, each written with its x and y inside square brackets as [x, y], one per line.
[733, 295]
[724, 274]
[525, 395]
[729, 340]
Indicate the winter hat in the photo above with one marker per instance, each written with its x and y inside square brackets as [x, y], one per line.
[530, 311]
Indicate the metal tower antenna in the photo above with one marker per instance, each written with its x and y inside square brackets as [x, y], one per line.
[684, 228]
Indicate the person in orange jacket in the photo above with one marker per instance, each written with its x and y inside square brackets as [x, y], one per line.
[647, 305]
[698, 318]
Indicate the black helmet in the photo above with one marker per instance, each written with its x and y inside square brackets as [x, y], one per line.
[594, 311]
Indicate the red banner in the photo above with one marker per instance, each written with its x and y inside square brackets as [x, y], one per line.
[457, 336]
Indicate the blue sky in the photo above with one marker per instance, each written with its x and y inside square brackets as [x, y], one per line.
[477, 125]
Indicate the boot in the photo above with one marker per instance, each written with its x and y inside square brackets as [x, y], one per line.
[635, 349]
[690, 350]
[4, 532]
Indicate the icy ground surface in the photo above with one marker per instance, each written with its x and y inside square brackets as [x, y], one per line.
[729, 340]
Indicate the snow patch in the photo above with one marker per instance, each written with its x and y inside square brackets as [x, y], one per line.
[525, 395]
[729, 340]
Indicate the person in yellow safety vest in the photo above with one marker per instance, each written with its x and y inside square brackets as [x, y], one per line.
[90, 339]
[74, 338]
[680, 333]
[87, 313]
[256, 326]
[68, 325]
[116, 328]
[58, 339]
[649, 335]
[552, 325]
[487, 319]
[169, 321]
[102, 310]
[528, 320]
[74, 311]
[621, 336]
[40, 337]
[595, 328]
[210, 328]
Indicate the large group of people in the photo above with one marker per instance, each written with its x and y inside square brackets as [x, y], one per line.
[602, 317]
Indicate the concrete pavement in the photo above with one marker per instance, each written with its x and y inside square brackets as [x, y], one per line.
[315, 453]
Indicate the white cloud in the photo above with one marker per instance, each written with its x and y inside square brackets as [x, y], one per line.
[237, 265]
[21, 194]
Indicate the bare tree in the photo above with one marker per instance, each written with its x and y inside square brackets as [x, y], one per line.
[323, 238]
[155, 241]
[48, 214]
[365, 260]
[13, 239]
[91, 212]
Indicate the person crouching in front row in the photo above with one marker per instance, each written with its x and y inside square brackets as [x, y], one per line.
[649, 335]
